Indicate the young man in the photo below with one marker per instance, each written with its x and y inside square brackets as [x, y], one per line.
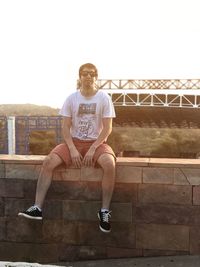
[87, 123]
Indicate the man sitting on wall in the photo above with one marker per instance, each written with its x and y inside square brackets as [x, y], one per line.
[87, 124]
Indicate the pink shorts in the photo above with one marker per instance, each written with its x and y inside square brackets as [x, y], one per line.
[82, 146]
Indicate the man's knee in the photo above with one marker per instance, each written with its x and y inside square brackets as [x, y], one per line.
[107, 162]
[51, 162]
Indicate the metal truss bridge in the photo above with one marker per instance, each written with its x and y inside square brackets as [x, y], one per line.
[181, 93]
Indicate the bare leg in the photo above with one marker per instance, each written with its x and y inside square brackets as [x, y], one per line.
[45, 177]
[107, 162]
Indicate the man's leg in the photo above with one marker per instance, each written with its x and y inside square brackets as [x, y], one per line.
[43, 184]
[107, 162]
[45, 177]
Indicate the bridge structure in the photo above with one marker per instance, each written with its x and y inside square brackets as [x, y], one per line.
[181, 93]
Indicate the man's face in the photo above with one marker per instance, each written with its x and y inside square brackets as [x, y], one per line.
[88, 77]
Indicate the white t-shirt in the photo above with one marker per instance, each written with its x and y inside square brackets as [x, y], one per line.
[87, 113]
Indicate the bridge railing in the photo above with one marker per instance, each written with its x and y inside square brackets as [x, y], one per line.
[24, 125]
[15, 132]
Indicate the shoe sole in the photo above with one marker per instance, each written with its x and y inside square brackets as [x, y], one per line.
[29, 217]
[103, 230]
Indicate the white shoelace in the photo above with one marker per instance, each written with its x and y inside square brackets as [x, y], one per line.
[32, 208]
[106, 216]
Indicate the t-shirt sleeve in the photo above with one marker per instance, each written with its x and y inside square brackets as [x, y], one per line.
[66, 109]
[108, 107]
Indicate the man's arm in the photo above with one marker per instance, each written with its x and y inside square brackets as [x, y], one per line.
[106, 131]
[75, 155]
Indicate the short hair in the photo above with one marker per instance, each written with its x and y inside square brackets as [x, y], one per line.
[88, 65]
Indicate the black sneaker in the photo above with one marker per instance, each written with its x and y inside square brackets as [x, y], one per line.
[104, 223]
[32, 213]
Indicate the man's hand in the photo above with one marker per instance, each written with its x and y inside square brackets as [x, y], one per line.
[88, 159]
[76, 158]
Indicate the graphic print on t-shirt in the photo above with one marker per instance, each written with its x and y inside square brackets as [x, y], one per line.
[87, 108]
[86, 121]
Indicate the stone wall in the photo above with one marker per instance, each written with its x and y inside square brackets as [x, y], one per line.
[155, 211]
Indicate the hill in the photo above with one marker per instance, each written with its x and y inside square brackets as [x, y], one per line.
[27, 110]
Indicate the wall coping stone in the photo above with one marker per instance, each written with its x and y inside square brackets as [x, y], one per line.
[121, 161]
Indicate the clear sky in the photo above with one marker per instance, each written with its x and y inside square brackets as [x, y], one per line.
[43, 43]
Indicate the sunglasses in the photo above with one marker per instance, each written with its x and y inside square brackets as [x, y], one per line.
[91, 73]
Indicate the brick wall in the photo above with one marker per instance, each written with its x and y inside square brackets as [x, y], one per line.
[155, 211]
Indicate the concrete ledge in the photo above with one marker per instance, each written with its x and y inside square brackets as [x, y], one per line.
[37, 159]
[155, 211]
